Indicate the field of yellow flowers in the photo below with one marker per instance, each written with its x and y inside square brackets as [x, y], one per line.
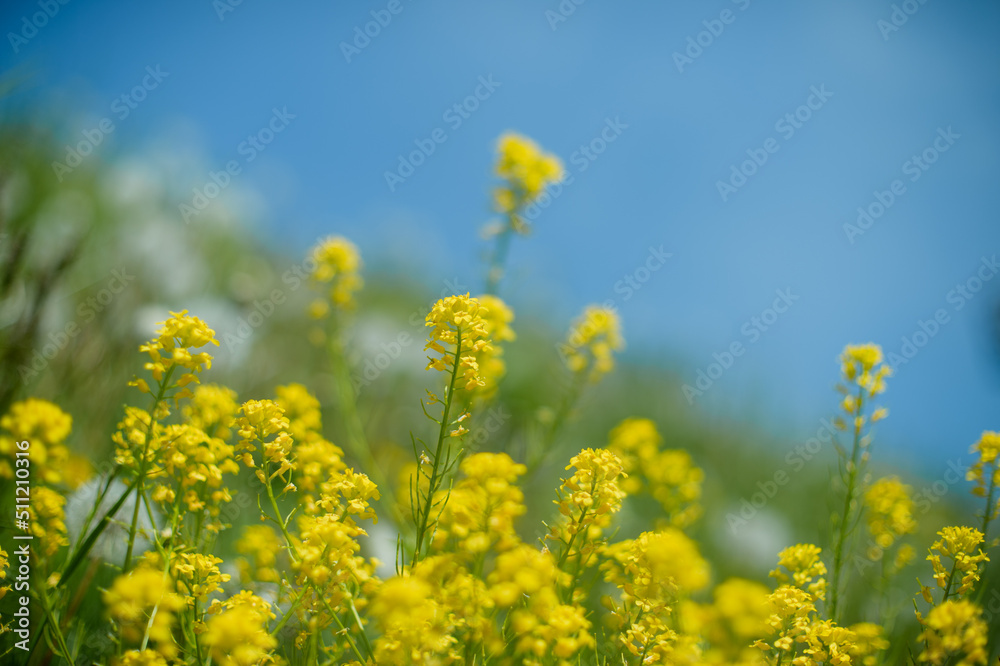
[468, 581]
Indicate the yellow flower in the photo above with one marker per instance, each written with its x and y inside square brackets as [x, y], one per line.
[212, 409]
[414, 628]
[986, 472]
[732, 622]
[458, 328]
[481, 510]
[259, 420]
[522, 571]
[593, 338]
[805, 569]
[961, 546]
[142, 658]
[171, 349]
[45, 427]
[955, 634]
[48, 519]
[238, 637]
[890, 511]
[592, 494]
[657, 568]
[143, 602]
[497, 317]
[338, 264]
[260, 544]
[197, 576]
[526, 172]
[670, 476]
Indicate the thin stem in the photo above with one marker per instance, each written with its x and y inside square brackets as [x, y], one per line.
[143, 466]
[425, 508]
[55, 630]
[356, 439]
[852, 475]
[499, 257]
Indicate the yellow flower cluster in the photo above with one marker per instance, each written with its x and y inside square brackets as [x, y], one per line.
[669, 476]
[497, 317]
[212, 409]
[736, 617]
[795, 626]
[960, 548]
[986, 473]
[591, 495]
[954, 634]
[48, 519]
[258, 421]
[654, 572]
[593, 339]
[171, 350]
[238, 636]
[890, 517]
[458, 333]
[479, 514]
[143, 604]
[46, 428]
[260, 545]
[191, 465]
[526, 172]
[316, 458]
[337, 275]
[805, 569]
[197, 576]
[863, 372]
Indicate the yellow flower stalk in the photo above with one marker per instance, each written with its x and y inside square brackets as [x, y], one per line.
[525, 171]
[863, 373]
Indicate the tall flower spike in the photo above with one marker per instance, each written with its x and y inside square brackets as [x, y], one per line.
[172, 349]
[986, 473]
[591, 343]
[526, 171]
[458, 326]
[336, 276]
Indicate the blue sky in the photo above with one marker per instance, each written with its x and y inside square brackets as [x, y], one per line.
[886, 95]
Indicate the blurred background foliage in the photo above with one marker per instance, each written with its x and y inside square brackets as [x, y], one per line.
[62, 242]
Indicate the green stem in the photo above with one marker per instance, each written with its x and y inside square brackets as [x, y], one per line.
[55, 630]
[499, 257]
[852, 475]
[144, 466]
[435, 479]
[356, 439]
[544, 446]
